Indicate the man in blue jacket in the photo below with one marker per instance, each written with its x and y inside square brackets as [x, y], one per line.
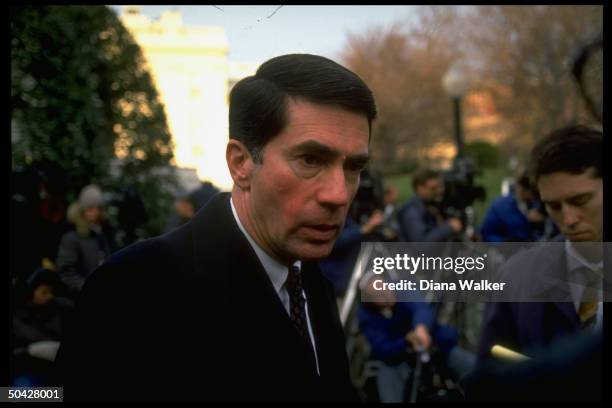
[420, 219]
[393, 327]
[338, 266]
[514, 217]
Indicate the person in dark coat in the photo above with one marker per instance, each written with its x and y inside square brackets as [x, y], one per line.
[232, 305]
[39, 317]
[186, 205]
[567, 168]
[93, 239]
[201, 195]
[420, 219]
[570, 370]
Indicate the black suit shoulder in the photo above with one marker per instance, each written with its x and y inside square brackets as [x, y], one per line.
[528, 271]
[152, 251]
[193, 315]
[122, 321]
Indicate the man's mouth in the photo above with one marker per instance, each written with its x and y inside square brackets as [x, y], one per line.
[323, 232]
[577, 235]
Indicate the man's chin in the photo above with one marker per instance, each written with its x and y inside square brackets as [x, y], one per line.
[583, 237]
[315, 250]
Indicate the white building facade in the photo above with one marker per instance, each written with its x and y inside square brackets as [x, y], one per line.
[193, 75]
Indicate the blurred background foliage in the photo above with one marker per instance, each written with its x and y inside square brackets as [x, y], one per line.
[82, 100]
[84, 104]
[518, 57]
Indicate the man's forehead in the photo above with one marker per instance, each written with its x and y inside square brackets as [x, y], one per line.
[433, 182]
[327, 130]
[560, 186]
[298, 109]
[315, 146]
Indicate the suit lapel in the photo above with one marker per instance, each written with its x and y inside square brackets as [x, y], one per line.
[220, 244]
[567, 310]
[249, 298]
[554, 279]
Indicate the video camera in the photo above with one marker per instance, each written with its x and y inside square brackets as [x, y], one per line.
[460, 191]
[370, 197]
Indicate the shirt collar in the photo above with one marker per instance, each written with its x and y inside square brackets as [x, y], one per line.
[576, 261]
[577, 279]
[277, 272]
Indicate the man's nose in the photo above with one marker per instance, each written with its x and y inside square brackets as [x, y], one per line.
[334, 190]
[570, 216]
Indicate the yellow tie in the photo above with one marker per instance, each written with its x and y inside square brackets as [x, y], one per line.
[587, 311]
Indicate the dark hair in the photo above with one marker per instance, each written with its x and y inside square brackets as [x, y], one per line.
[421, 176]
[258, 104]
[572, 149]
[524, 181]
[26, 285]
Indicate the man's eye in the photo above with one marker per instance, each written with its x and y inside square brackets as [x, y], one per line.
[311, 161]
[580, 200]
[553, 207]
[357, 168]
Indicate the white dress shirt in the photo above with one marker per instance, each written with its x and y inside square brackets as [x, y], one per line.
[277, 273]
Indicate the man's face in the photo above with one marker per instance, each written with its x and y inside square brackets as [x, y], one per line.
[432, 190]
[523, 194]
[301, 192]
[391, 195]
[575, 203]
[92, 214]
[184, 208]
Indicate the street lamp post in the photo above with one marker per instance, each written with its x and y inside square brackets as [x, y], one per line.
[455, 85]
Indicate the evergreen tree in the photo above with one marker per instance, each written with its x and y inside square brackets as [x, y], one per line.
[82, 98]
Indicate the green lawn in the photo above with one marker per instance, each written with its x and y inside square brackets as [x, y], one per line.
[490, 179]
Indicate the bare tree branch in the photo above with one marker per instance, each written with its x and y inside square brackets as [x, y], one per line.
[278, 8]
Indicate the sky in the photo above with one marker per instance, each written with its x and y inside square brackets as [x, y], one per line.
[257, 33]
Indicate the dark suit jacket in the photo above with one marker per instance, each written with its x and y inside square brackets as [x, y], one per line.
[192, 315]
[570, 370]
[528, 326]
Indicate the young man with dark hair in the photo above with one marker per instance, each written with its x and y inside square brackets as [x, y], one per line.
[566, 167]
[240, 309]
[420, 219]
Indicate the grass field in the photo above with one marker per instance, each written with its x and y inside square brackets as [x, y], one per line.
[490, 180]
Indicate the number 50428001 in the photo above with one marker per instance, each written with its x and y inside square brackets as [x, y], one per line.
[31, 394]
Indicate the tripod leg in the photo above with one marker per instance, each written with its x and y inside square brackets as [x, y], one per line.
[416, 380]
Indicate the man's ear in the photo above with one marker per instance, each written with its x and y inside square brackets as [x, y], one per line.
[240, 163]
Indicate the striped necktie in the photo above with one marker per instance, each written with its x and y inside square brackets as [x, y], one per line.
[297, 308]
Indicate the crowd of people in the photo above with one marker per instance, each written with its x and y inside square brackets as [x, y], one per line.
[44, 298]
[49, 272]
[228, 269]
[558, 199]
